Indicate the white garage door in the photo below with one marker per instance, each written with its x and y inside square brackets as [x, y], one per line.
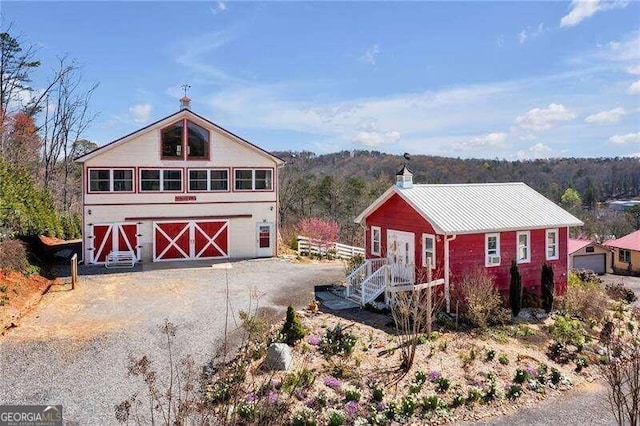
[592, 262]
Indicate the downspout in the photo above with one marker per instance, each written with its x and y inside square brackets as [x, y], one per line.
[447, 272]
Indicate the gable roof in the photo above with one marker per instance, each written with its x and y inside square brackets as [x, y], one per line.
[628, 242]
[576, 244]
[483, 207]
[184, 113]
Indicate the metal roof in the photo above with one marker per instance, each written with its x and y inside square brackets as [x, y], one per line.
[628, 242]
[485, 207]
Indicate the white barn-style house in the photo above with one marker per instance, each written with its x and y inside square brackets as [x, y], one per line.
[182, 188]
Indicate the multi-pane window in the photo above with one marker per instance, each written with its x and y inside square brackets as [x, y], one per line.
[429, 250]
[208, 180]
[552, 244]
[624, 255]
[523, 246]
[492, 249]
[375, 240]
[185, 137]
[253, 179]
[110, 180]
[161, 180]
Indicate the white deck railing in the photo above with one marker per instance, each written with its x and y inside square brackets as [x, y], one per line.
[308, 246]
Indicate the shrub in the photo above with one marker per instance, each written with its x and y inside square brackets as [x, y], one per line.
[547, 287]
[515, 289]
[304, 417]
[298, 380]
[555, 377]
[581, 363]
[490, 355]
[335, 418]
[352, 394]
[514, 392]
[458, 399]
[246, 410]
[432, 402]
[521, 376]
[442, 384]
[491, 392]
[338, 341]
[567, 331]
[13, 256]
[585, 298]
[617, 291]
[478, 298]
[292, 330]
[473, 395]
[503, 359]
[407, 406]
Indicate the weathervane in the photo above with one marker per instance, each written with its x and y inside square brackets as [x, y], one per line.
[407, 158]
[185, 87]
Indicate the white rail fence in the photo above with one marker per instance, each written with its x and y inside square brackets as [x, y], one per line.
[308, 246]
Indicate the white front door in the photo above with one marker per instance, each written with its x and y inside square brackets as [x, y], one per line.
[264, 239]
[401, 254]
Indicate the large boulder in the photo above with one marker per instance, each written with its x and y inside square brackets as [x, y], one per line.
[278, 357]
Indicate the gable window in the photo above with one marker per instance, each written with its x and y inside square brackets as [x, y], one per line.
[110, 180]
[429, 250]
[375, 240]
[184, 140]
[552, 244]
[624, 255]
[208, 180]
[253, 180]
[154, 180]
[492, 249]
[523, 248]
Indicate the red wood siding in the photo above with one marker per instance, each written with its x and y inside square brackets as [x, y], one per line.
[398, 215]
[468, 251]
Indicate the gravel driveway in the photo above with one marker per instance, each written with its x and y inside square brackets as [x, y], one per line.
[74, 347]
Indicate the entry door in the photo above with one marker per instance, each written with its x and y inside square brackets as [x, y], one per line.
[401, 254]
[108, 237]
[265, 239]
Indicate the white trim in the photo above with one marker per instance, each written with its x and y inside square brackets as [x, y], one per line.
[447, 271]
[528, 247]
[111, 170]
[161, 171]
[253, 179]
[556, 244]
[373, 229]
[424, 250]
[116, 230]
[208, 171]
[487, 256]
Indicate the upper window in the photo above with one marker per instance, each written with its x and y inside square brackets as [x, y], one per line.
[624, 255]
[429, 250]
[208, 180]
[110, 180]
[523, 249]
[253, 179]
[492, 249]
[152, 180]
[185, 140]
[375, 240]
[552, 244]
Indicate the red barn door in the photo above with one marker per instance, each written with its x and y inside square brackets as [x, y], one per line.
[187, 240]
[108, 237]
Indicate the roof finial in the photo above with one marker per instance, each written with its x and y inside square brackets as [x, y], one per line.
[185, 101]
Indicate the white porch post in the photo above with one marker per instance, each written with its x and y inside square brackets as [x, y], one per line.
[447, 272]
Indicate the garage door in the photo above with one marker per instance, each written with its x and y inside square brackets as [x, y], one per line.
[188, 240]
[592, 262]
[107, 237]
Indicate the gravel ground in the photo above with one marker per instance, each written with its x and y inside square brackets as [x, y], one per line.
[74, 347]
[632, 283]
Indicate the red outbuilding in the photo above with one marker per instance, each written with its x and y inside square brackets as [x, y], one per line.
[459, 227]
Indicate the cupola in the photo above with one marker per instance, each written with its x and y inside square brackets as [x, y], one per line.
[404, 178]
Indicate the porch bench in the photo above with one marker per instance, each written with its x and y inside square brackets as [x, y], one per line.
[120, 259]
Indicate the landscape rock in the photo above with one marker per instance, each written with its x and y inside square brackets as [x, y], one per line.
[278, 357]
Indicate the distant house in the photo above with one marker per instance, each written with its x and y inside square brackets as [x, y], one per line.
[459, 227]
[182, 188]
[626, 253]
[589, 255]
[623, 205]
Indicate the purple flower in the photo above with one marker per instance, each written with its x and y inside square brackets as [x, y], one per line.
[332, 382]
[250, 397]
[434, 375]
[532, 372]
[351, 408]
[272, 397]
[276, 384]
[382, 406]
[300, 394]
[314, 340]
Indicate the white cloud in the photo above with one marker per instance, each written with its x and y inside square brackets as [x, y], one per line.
[219, 7]
[538, 150]
[140, 113]
[634, 69]
[376, 139]
[625, 139]
[606, 117]
[634, 89]
[490, 140]
[371, 55]
[583, 9]
[543, 118]
[529, 34]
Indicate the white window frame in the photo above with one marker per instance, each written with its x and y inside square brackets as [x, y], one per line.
[373, 240]
[208, 180]
[528, 246]
[253, 179]
[622, 258]
[547, 244]
[111, 180]
[486, 249]
[431, 237]
[161, 174]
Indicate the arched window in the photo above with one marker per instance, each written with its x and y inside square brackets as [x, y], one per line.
[185, 140]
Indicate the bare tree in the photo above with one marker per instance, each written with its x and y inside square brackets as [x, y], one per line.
[66, 118]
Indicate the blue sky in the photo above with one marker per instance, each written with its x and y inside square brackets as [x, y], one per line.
[469, 79]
